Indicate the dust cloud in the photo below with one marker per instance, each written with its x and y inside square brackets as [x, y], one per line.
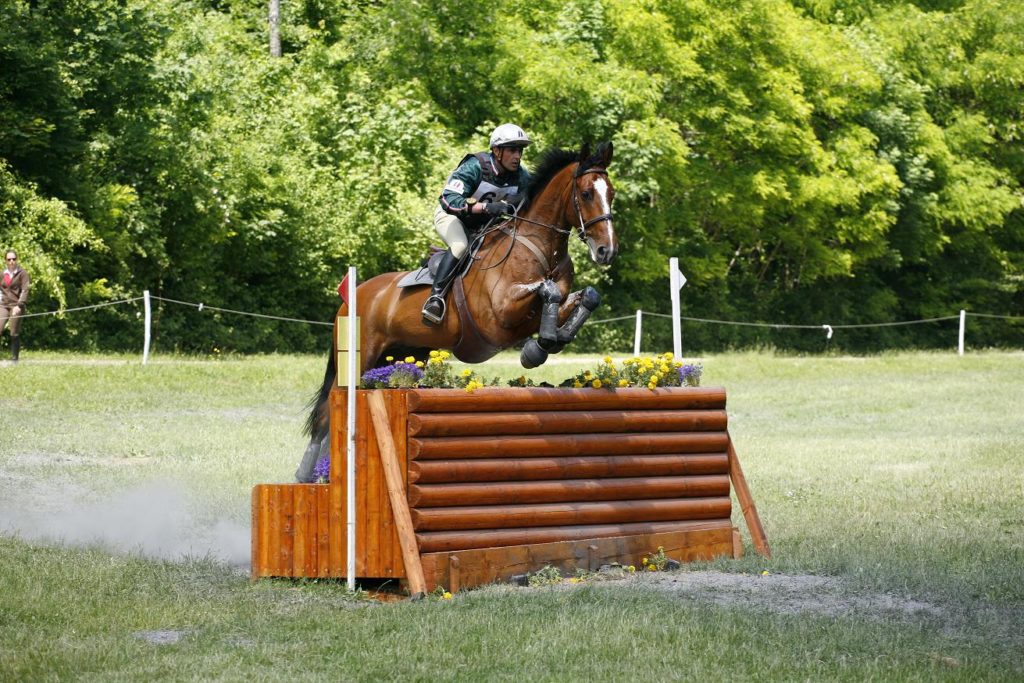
[157, 520]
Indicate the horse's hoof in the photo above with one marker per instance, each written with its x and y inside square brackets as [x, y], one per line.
[532, 355]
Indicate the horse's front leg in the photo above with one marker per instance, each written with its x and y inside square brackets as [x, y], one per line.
[560, 321]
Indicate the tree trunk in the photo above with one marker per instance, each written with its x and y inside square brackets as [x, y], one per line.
[274, 19]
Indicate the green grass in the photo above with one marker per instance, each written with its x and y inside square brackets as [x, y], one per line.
[897, 477]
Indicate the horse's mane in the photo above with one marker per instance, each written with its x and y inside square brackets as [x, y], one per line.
[551, 162]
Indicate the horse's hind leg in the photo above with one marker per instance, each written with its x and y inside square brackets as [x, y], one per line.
[319, 446]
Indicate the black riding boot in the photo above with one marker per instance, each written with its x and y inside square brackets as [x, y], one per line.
[15, 348]
[434, 308]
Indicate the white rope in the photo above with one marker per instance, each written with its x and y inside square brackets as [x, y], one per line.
[80, 308]
[799, 327]
[203, 307]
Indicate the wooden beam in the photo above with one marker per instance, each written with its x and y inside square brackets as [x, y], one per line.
[396, 492]
[753, 520]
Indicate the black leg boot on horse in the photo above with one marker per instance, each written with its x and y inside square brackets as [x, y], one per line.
[434, 309]
[550, 337]
[15, 348]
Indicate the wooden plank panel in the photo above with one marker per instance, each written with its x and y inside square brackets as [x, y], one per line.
[323, 530]
[338, 554]
[257, 568]
[438, 541]
[274, 531]
[586, 467]
[566, 422]
[286, 557]
[300, 539]
[572, 490]
[481, 566]
[570, 514]
[337, 562]
[537, 399]
[450, 448]
[365, 493]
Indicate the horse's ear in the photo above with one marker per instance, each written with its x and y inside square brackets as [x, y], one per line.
[604, 154]
[584, 152]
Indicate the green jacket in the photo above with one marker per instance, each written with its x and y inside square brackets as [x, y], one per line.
[478, 176]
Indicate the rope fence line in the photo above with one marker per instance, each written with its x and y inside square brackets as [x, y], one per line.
[204, 307]
[146, 297]
[82, 308]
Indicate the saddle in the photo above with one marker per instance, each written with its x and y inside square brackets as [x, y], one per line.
[473, 346]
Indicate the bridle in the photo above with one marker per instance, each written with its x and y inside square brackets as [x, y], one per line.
[582, 229]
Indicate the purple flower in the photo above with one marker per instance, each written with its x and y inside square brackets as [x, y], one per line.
[689, 375]
[322, 471]
[398, 374]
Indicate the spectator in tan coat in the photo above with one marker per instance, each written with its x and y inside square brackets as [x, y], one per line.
[14, 284]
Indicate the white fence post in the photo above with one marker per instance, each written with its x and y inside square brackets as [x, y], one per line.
[676, 281]
[963, 324]
[353, 380]
[636, 334]
[147, 333]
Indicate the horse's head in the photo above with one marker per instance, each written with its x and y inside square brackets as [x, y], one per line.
[592, 197]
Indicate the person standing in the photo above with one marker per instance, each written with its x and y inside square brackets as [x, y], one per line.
[13, 297]
[474, 194]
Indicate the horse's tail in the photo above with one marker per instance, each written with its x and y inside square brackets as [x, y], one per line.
[318, 411]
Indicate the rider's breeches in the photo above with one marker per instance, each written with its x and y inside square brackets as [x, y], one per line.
[5, 314]
[452, 231]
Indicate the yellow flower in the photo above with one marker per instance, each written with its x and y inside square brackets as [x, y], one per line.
[630, 568]
[608, 360]
[644, 561]
[445, 355]
[667, 355]
[435, 353]
[389, 358]
[577, 385]
[574, 580]
[764, 572]
[419, 364]
[467, 372]
[586, 375]
[596, 384]
[652, 567]
[447, 595]
[410, 359]
[623, 383]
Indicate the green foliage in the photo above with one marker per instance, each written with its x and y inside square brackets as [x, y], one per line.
[860, 162]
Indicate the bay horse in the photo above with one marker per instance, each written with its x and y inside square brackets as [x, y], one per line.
[517, 284]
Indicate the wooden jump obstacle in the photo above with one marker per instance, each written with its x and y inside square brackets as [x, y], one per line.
[459, 489]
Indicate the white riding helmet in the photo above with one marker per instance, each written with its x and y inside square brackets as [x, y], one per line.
[509, 135]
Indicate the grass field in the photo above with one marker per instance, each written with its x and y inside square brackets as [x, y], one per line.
[890, 488]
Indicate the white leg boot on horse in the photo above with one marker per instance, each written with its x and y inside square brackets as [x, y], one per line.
[435, 307]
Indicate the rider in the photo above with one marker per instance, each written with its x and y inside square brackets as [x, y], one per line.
[476, 192]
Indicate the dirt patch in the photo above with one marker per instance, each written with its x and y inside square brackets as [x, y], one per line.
[165, 637]
[784, 593]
